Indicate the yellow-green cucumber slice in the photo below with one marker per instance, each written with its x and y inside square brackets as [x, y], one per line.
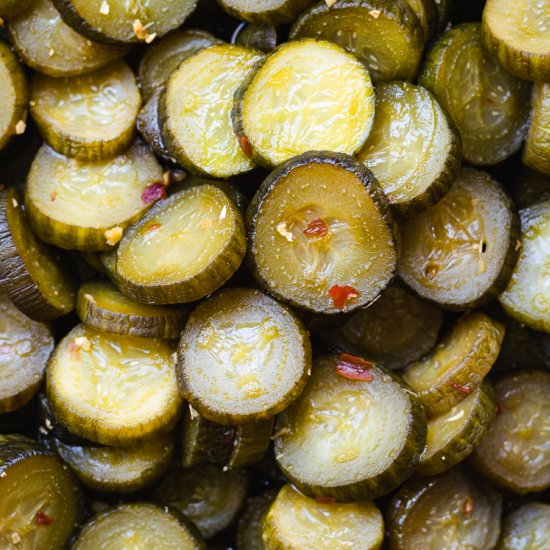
[536, 152]
[526, 528]
[266, 12]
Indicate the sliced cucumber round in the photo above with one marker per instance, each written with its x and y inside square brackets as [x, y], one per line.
[460, 252]
[196, 111]
[355, 433]
[11, 8]
[536, 153]
[515, 452]
[306, 95]
[249, 528]
[184, 248]
[527, 528]
[250, 444]
[516, 33]
[413, 150]
[267, 12]
[489, 106]
[426, 12]
[458, 364]
[242, 357]
[82, 204]
[297, 521]
[149, 125]
[32, 275]
[527, 297]
[45, 43]
[25, 347]
[116, 390]
[257, 37]
[88, 117]
[321, 234]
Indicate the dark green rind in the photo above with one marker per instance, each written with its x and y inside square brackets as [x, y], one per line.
[250, 444]
[256, 37]
[270, 17]
[149, 126]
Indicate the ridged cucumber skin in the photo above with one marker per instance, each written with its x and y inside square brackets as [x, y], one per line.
[536, 152]
[251, 443]
[270, 17]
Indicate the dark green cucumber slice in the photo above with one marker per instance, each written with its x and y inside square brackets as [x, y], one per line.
[149, 125]
[204, 441]
[297, 521]
[86, 205]
[119, 469]
[256, 37]
[116, 390]
[527, 297]
[527, 528]
[14, 95]
[454, 435]
[515, 452]
[11, 8]
[489, 106]
[516, 33]
[198, 239]
[250, 444]
[119, 21]
[32, 274]
[210, 498]
[140, 526]
[413, 150]
[108, 263]
[88, 117]
[536, 153]
[45, 43]
[266, 12]
[196, 111]
[249, 528]
[445, 9]
[394, 331]
[458, 364]
[25, 347]
[307, 95]
[242, 357]
[386, 36]
[454, 510]
[321, 234]
[530, 187]
[163, 58]
[460, 253]
[355, 433]
[41, 499]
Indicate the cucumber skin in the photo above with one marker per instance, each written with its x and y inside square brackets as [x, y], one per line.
[12, 8]
[274, 17]
[251, 443]
[536, 152]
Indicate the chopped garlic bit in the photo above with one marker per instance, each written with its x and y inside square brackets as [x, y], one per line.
[112, 236]
[51, 52]
[141, 31]
[105, 8]
[15, 203]
[375, 13]
[223, 213]
[81, 342]
[15, 538]
[330, 3]
[20, 127]
[282, 230]
[3, 474]
[90, 298]
[518, 245]
[193, 412]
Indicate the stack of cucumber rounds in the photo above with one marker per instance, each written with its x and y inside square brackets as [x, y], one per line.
[274, 275]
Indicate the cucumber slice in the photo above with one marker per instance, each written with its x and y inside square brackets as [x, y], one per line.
[196, 110]
[163, 58]
[297, 521]
[460, 253]
[386, 36]
[14, 95]
[25, 347]
[306, 95]
[45, 43]
[321, 234]
[527, 528]
[82, 204]
[41, 499]
[413, 150]
[11, 8]
[139, 526]
[203, 441]
[256, 37]
[536, 153]
[119, 469]
[527, 297]
[251, 443]
[210, 498]
[266, 12]
[515, 452]
[88, 117]
[116, 390]
[249, 528]
[355, 433]
[394, 331]
[516, 33]
[32, 274]
[489, 106]
[101, 306]
[454, 510]
[199, 240]
[426, 12]
[149, 125]
[454, 435]
[120, 21]
[458, 364]
[242, 357]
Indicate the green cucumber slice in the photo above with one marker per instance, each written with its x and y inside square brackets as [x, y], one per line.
[250, 444]
[527, 528]
[536, 153]
[267, 12]
[256, 37]
[11, 8]
[249, 528]
[149, 125]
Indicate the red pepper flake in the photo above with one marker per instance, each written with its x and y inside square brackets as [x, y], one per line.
[317, 227]
[354, 368]
[325, 500]
[43, 519]
[245, 146]
[468, 507]
[342, 294]
[499, 409]
[53, 196]
[153, 192]
[458, 387]
[152, 227]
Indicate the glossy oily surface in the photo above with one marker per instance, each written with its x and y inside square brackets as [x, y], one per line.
[537, 149]
[527, 528]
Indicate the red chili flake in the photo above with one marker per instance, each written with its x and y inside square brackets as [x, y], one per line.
[325, 500]
[490, 100]
[354, 368]
[468, 507]
[43, 519]
[53, 196]
[458, 387]
[153, 192]
[317, 227]
[152, 227]
[499, 409]
[342, 294]
[245, 146]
